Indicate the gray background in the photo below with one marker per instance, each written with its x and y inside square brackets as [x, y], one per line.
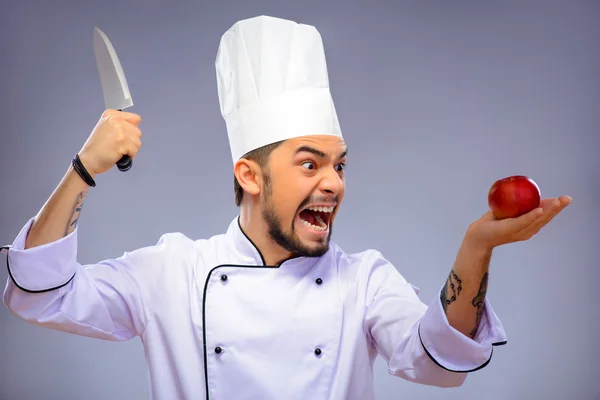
[436, 99]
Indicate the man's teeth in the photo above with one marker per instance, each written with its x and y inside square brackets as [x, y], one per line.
[321, 209]
[315, 227]
[322, 224]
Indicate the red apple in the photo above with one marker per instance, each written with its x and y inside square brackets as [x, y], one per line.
[513, 196]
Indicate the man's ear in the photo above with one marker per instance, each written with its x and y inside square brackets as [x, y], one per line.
[248, 175]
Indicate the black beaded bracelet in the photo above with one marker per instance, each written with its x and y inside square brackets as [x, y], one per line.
[78, 166]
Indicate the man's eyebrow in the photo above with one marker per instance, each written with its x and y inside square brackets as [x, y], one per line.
[317, 152]
[312, 150]
[344, 154]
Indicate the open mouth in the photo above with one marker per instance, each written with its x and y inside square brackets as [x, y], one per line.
[316, 217]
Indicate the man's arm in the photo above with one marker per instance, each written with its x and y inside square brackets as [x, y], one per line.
[60, 214]
[116, 133]
[415, 338]
[49, 287]
[463, 296]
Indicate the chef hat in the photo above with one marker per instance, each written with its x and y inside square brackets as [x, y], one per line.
[273, 84]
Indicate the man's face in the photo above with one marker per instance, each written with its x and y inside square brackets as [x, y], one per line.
[304, 187]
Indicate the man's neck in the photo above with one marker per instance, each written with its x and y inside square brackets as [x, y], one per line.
[256, 229]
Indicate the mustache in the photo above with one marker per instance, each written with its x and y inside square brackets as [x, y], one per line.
[319, 199]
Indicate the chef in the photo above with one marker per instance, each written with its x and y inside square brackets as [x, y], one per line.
[271, 308]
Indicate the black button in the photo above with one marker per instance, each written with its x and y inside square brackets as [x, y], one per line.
[218, 350]
[318, 351]
[223, 278]
[319, 281]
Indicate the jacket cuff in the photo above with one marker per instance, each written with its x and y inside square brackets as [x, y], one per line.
[42, 268]
[451, 349]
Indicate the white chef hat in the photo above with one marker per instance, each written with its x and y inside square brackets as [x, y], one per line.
[273, 84]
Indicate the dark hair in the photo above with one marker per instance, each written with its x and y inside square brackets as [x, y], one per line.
[261, 157]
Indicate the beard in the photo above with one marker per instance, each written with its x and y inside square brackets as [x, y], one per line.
[289, 241]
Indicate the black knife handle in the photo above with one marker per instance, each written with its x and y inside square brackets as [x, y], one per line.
[125, 163]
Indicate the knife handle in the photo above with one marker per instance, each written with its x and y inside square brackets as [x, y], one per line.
[124, 164]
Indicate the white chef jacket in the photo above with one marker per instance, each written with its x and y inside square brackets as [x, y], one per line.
[217, 323]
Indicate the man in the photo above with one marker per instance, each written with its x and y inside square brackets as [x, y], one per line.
[271, 309]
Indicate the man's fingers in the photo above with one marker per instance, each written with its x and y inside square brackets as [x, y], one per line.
[132, 148]
[133, 118]
[520, 228]
[133, 130]
[565, 201]
[488, 216]
[543, 214]
[525, 220]
[553, 208]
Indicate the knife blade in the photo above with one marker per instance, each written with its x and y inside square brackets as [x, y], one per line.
[112, 78]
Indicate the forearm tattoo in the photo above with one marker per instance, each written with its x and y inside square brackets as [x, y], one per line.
[479, 301]
[75, 214]
[455, 285]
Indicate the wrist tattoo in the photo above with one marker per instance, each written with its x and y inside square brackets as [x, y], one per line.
[455, 285]
[478, 302]
[75, 213]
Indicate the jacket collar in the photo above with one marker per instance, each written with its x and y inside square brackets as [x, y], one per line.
[248, 254]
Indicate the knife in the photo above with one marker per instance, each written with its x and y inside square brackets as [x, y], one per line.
[112, 78]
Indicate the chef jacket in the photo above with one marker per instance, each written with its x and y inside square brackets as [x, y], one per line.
[217, 323]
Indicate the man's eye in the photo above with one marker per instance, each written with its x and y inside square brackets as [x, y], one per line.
[340, 167]
[308, 165]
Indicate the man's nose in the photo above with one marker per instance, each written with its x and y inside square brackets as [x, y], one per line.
[331, 183]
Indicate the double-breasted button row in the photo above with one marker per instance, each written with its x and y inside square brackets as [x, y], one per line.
[318, 281]
[318, 351]
[219, 350]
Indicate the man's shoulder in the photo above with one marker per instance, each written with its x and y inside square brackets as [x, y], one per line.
[182, 240]
[183, 249]
[358, 260]
[355, 256]
[369, 267]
